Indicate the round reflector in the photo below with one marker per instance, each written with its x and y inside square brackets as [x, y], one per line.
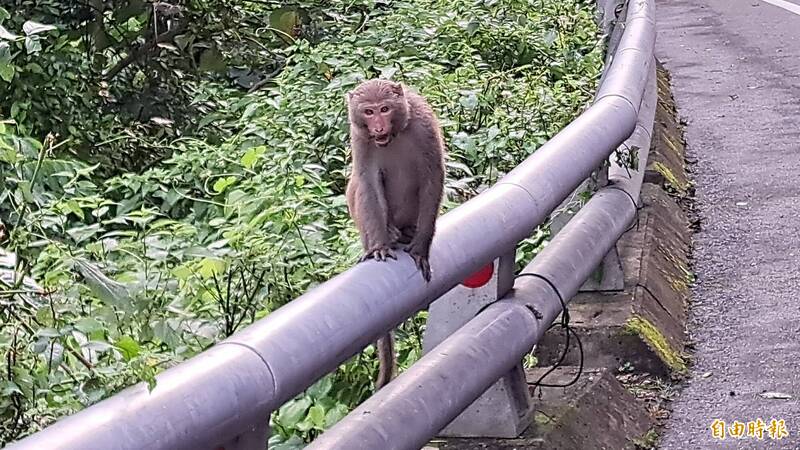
[480, 277]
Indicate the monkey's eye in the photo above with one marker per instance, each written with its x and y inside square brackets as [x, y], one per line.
[384, 109]
[368, 112]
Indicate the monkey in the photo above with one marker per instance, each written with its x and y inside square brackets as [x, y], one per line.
[397, 182]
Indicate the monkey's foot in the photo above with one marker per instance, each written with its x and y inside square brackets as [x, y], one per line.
[378, 253]
[421, 261]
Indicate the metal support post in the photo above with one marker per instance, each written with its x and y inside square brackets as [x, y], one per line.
[608, 276]
[505, 409]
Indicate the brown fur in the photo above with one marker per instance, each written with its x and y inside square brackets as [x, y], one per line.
[395, 190]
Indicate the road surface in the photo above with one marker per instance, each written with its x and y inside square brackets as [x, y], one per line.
[735, 69]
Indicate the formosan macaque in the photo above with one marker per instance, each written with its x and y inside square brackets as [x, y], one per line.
[397, 181]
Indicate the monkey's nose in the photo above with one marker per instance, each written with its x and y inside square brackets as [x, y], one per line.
[378, 130]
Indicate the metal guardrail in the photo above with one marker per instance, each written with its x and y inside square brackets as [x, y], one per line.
[409, 411]
[223, 397]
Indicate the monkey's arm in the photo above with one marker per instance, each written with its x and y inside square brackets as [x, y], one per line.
[430, 197]
[373, 215]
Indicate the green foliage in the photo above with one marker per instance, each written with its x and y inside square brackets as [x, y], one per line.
[140, 270]
[119, 78]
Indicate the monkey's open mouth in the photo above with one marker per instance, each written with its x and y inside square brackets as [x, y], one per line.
[382, 140]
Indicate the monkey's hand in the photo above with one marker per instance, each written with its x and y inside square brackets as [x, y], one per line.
[420, 259]
[380, 252]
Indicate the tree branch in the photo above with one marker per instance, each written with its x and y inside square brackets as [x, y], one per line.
[135, 54]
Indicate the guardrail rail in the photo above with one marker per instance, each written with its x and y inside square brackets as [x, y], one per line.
[222, 398]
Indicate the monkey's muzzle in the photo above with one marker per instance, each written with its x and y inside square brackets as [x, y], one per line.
[382, 140]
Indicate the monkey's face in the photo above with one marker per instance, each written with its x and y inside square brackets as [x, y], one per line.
[380, 109]
[380, 120]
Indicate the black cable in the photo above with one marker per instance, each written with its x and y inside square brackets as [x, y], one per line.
[636, 207]
[567, 331]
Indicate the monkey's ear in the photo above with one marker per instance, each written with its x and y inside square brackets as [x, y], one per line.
[397, 89]
[348, 96]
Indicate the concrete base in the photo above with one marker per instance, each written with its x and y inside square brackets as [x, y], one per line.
[502, 411]
[644, 325]
[594, 413]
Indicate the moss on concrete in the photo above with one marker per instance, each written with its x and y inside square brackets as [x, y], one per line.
[670, 179]
[655, 339]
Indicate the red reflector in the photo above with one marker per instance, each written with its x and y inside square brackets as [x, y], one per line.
[480, 277]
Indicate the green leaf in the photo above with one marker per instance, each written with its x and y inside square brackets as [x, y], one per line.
[321, 388]
[212, 60]
[316, 414]
[223, 183]
[293, 443]
[293, 412]
[32, 45]
[88, 325]
[251, 156]
[129, 348]
[48, 333]
[97, 346]
[473, 28]
[34, 68]
[8, 154]
[7, 388]
[30, 28]
[7, 68]
[6, 71]
[183, 40]
[335, 414]
[182, 272]
[16, 109]
[54, 354]
[550, 37]
[469, 101]
[493, 132]
[209, 267]
[164, 333]
[81, 234]
[217, 221]
[106, 289]
[4, 14]
[388, 72]
[250, 110]
[305, 426]
[25, 188]
[73, 207]
[7, 35]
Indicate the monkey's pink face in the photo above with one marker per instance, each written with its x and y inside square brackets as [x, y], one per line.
[378, 119]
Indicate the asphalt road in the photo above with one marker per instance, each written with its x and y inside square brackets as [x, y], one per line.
[735, 69]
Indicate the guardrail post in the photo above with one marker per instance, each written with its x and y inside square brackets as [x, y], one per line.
[505, 409]
[575, 200]
[608, 276]
[254, 438]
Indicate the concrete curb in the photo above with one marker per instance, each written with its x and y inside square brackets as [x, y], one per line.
[570, 418]
[642, 328]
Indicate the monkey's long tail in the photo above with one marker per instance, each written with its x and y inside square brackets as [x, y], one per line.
[387, 365]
